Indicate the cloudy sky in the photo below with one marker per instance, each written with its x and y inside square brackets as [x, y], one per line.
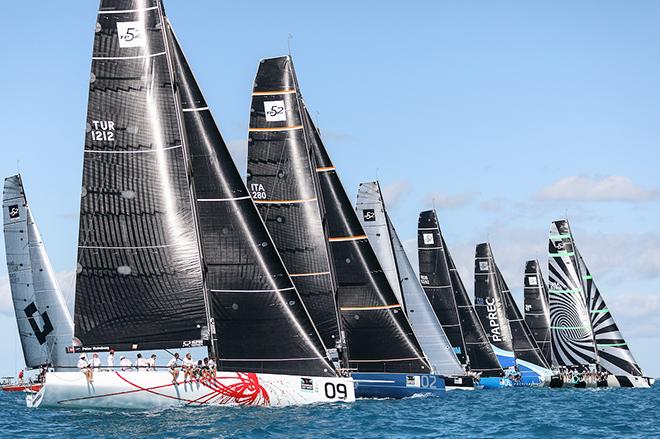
[502, 115]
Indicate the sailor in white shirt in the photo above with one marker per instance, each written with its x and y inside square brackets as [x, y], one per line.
[125, 363]
[96, 361]
[141, 363]
[152, 362]
[188, 367]
[83, 365]
[173, 365]
[110, 361]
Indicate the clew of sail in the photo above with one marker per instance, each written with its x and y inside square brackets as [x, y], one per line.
[283, 184]
[261, 322]
[490, 305]
[571, 333]
[537, 308]
[613, 352]
[390, 252]
[44, 322]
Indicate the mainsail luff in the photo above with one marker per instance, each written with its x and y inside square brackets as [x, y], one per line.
[378, 334]
[44, 322]
[377, 224]
[435, 278]
[537, 308]
[282, 175]
[524, 345]
[490, 305]
[571, 332]
[139, 280]
[261, 321]
[614, 355]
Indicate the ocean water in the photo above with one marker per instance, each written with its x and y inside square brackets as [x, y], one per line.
[519, 413]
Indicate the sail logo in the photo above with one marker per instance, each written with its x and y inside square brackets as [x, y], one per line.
[369, 214]
[39, 333]
[275, 111]
[258, 191]
[103, 130]
[307, 384]
[483, 265]
[131, 34]
[14, 213]
[491, 308]
[532, 280]
[428, 238]
[423, 279]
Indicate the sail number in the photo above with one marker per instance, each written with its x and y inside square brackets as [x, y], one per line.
[103, 130]
[333, 391]
[258, 191]
[428, 381]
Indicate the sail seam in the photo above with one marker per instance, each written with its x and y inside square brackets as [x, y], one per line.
[253, 291]
[272, 93]
[319, 273]
[124, 248]
[283, 201]
[289, 128]
[132, 152]
[125, 11]
[369, 308]
[325, 169]
[223, 199]
[347, 238]
[188, 110]
[151, 55]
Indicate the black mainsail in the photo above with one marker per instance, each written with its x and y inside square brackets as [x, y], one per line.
[378, 333]
[283, 182]
[139, 275]
[490, 305]
[537, 308]
[571, 332]
[524, 345]
[261, 322]
[478, 353]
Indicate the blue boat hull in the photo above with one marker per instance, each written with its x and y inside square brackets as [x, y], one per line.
[494, 383]
[397, 385]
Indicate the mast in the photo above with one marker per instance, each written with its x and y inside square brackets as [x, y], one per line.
[490, 305]
[283, 183]
[262, 322]
[571, 332]
[613, 351]
[537, 309]
[44, 322]
[379, 335]
[373, 215]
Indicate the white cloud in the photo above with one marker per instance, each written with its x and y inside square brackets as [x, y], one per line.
[393, 192]
[440, 200]
[611, 188]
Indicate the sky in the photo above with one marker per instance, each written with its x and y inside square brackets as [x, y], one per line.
[502, 115]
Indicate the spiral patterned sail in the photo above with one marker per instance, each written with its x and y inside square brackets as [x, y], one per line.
[571, 333]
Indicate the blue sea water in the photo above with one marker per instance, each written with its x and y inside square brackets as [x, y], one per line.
[516, 412]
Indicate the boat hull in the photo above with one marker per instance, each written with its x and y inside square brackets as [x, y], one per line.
[493, 383]
[459, 383]
[22, 387]
[397, 385]
[146, 390]
[611, 381]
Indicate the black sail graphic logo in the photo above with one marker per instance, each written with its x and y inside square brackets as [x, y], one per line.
[369, 214]
[40, 333]
[14, 213]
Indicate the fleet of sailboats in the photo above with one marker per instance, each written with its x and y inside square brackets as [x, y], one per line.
[298, 296]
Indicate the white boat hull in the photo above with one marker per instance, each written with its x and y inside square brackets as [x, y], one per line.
[146, 390]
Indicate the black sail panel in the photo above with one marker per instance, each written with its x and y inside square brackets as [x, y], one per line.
[378, 333]
[524, 345]
[490, 306]
[283, 183]
[260, 320]
[435, 278]
[537, 308]
[139, 280]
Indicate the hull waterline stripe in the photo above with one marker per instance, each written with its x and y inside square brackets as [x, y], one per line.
[188, 110]
[347, 238]
[291, 128]
[253, 291]
[103, 58]
[320, 273]
[369, 308]
[142, 151]
[283, 201]
[208, 200]
[126, 11]
[274, 92]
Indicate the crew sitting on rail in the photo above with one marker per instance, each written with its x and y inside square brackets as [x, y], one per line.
[125, 363]
[173, 366]
[83, 365]
[96, 361]
[152, 362]
[188, 368]
[141, 363]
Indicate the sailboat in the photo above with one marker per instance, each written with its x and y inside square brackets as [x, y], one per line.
[452, 306]
[303, 204]
[537, 308]
[386, 244]
[586, 342]
[44, 323]
[172, 252]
